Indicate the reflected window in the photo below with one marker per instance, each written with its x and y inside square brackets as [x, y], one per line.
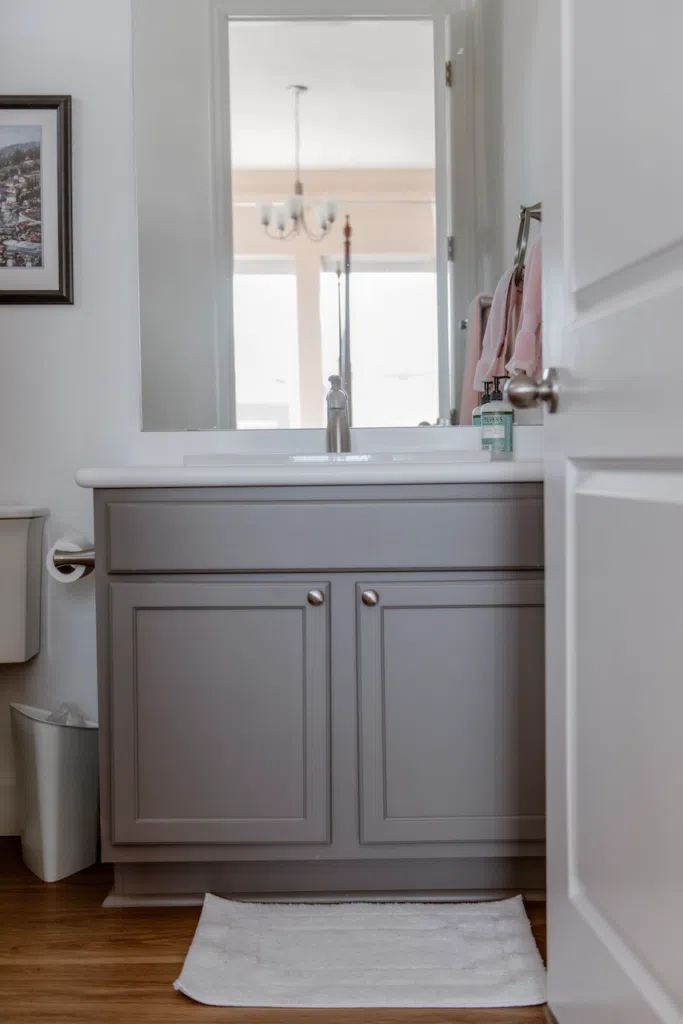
[266, 343]
[394, 339]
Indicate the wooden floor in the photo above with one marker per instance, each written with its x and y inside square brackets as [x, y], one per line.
[63, 960]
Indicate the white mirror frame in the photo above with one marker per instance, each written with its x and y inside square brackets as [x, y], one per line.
[202, 377]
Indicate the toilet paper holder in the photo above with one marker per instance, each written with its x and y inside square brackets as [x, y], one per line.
[66, 561]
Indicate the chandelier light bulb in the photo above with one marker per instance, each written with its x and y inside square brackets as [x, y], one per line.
[331, 210]
[321, 217]
[280, 218]
[295, 206]
[265, 211]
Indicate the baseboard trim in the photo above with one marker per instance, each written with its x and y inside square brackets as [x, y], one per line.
[9, 825]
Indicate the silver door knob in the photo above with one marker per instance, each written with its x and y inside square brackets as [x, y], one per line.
[316, 598]
[525, 393]
[370, 598]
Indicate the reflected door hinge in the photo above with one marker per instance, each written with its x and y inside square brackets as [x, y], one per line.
[449, 74]
[451, 249]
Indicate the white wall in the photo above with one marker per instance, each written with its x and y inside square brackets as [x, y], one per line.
[69, 375]
[509, 112]
[523, 114]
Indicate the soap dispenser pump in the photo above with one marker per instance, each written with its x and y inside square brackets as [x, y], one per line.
[496, 421]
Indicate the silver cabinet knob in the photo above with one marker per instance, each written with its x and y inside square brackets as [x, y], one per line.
[316, 598]
[370, 598]
[525, 393]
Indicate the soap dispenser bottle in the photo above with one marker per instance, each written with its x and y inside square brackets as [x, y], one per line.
[485, 398]
[496, 422]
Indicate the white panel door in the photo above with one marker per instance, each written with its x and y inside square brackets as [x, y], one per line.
[613, 246]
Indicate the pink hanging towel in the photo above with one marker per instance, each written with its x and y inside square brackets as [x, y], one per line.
[527, 354]
[499, 330]
[473, 343]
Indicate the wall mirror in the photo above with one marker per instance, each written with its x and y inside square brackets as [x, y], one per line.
[333, 220]
[301, 165]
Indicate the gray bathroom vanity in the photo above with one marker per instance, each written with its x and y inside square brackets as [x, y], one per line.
[321, 688]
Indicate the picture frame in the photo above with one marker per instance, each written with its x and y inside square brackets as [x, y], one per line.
[36, 234]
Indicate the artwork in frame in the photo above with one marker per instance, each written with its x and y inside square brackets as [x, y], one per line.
[36, 252]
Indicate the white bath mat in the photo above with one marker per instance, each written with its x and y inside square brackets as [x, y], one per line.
[363, 954]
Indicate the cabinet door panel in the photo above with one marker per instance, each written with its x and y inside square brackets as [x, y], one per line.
[452, 712]
[219, 713]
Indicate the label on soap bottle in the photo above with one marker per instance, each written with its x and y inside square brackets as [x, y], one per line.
[496, 431]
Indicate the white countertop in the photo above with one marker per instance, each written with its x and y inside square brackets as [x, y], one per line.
[254, 474]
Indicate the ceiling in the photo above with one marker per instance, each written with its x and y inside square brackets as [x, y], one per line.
[370, 101]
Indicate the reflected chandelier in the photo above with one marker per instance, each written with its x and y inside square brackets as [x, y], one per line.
[282, 220]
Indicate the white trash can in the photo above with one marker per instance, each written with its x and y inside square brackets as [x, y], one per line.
[57, 791]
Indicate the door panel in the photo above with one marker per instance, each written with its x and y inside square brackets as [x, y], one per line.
[618, 124]
[613, 308]
[220, 713]
[625, 828]
[451, 690]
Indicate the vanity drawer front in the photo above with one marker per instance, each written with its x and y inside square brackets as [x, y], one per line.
[293, 536]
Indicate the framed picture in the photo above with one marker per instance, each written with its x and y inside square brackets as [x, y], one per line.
[36, 251]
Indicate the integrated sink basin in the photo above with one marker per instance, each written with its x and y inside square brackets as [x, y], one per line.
[343, 459]
[245, 469]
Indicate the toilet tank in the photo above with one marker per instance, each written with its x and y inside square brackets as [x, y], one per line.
[21, 546]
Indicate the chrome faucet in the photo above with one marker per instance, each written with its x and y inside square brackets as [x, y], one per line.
[338, 433]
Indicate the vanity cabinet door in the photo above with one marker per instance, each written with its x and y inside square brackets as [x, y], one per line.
[219, 715]
[451, 711]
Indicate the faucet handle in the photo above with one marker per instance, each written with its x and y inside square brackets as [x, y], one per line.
[335, 382]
